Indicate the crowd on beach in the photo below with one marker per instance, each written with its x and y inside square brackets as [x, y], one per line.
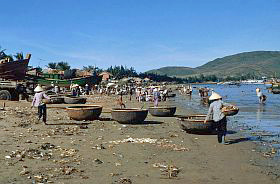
[146, 94]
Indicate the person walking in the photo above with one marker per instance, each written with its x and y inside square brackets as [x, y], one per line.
[220, 121]
[156, 95]
[38, 102]
[87, 89]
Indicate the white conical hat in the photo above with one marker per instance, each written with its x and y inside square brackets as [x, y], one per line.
[38, 89]
[258, 90]
[215, 96]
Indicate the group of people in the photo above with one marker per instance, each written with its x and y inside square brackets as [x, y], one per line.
[77, 90]
[186, 90]
[214, 113]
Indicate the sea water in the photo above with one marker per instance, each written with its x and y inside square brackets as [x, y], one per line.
[258, 119]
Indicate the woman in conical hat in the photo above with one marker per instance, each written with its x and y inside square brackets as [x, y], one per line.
[215, 96]
[38, 89]
[215, 110]
[38, 102]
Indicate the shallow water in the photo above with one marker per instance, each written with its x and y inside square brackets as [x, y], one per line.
[254, 118]
[261, 116]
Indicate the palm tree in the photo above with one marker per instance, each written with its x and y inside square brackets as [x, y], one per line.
[52, 65]
[19, 56]
[2, 53]
[63, 66]
[89, 68]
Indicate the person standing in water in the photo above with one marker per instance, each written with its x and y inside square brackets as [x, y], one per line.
[220, 121]
[38, 102]
[260, 95]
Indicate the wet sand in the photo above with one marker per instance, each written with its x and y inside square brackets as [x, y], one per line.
[68, 151]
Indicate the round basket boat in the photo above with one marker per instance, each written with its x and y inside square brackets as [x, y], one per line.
[162, 111]
[171, 95]
[230, 111]
[57, 100]
[130, 116]
[195, 123]
[75, 100]
[85, 112]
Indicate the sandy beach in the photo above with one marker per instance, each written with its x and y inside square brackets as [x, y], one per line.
[104, 151]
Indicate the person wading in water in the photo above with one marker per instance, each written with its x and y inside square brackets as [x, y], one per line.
[262, 97]
[220, 121]
[38, 102]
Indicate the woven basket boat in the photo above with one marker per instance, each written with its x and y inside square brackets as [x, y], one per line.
[130, 116]
[84, 112]
[230, 111]
[195, 123]
[162, 111]
[75, 100]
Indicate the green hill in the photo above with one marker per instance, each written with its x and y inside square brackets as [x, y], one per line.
[258, 63]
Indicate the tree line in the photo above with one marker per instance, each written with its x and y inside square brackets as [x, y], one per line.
[119, 72]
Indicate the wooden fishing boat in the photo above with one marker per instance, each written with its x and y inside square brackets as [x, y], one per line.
[67, 82]
[14, 70]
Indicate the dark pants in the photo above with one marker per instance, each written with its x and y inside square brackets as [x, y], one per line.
[42, 111]
[221, 127]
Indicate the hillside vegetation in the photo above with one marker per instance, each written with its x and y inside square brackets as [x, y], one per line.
[257, 63]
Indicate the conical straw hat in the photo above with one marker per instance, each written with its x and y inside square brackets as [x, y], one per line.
[38, 89]
[258, 90]
[215, 96]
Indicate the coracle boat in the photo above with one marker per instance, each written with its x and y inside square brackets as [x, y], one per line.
[84, 112]
[275, 90]
[74, 100]
[230, 110]
[195, 123]
[130, 116]
[54, 100]
[162, 111]
[171, 95]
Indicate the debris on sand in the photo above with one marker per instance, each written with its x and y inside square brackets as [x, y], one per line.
[135, 140]
[171, 171]
[173, 147]
[74, 130]
[98, 147]
[98, 161]
[163, 143]
[125, 181]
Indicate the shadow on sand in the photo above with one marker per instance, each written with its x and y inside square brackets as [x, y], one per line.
[79, 124]
[208, 132]
[144, 123]
[238, 140]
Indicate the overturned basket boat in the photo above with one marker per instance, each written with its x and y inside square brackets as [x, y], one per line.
[130, 116]
[75, 100]
[195, 123]
[162, 111]
[84, 112]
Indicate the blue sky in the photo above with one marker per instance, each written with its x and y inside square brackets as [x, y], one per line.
[144, 34]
